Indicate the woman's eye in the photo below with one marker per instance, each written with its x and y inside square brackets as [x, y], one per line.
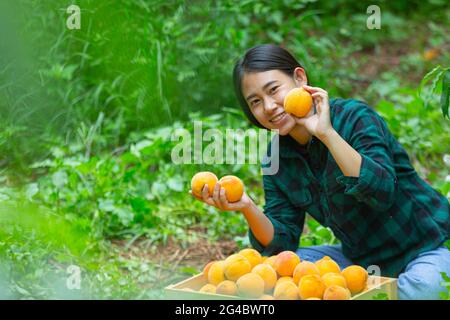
[273, 89]
[254, 102]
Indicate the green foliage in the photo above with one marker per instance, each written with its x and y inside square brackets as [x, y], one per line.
[437, 76]
[381, 296]
[316, 234]
[139, 191]
[446, 284]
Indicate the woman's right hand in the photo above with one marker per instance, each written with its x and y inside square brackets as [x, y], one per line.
[220, 201]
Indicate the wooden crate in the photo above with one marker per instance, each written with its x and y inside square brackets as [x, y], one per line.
[376, 285]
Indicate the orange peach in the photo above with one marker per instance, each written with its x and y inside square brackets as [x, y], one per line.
[271, 261]
[236, 266]
[208, 288]
[268, 274]
[216, 273]
[286, 291]
[286, 262]
[326, 264]
[227, 287]
[253, 256]
[234, 188]
[250, 285]
[304, 268]
[334, 279]
[283, 279]
[336, 293]
[206, 269]
[202, 178]
[356, 278]
[298, 102]
[311, 286]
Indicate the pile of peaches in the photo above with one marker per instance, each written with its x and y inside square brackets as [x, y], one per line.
[284, 276]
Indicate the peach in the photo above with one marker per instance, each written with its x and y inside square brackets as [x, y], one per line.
[356, 278]
[253, 256]
[311, 286]
[227, 287]
[304, 268]
[298, 102]
[271, 261]
[208, 288]
[216, 273]
[283, 279]
[286, 291]
[334, 279]
[234, 188]
[236, 266]
[250, 285]
[202, 178]
[286, 262]
[206, 269]
[268, 274]
[326, 264]
[336, 293]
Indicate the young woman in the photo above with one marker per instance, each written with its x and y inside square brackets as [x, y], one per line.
[341, 165]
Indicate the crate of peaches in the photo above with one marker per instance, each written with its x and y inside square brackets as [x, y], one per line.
[248, 275]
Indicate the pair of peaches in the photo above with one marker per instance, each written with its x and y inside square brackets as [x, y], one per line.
[234, 187]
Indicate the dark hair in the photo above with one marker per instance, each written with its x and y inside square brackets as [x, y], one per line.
[258, 59]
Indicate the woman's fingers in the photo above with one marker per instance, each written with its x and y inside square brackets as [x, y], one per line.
[205, 196]
[313, 89]
[218, 199]
[300, 121]
[223, 198]
[216, 196]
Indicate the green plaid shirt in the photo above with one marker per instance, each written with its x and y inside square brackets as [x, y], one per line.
[385, 217]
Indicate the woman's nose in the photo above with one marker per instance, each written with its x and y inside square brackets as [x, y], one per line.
[269, 106]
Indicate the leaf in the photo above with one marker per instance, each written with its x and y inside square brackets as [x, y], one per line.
[106, 205]
[445, 93]
[189, 270]
[437, 71]
[175, 184]
[32, 190]
[381, 296]
[22, 291]
[60, 179]
[125, 215]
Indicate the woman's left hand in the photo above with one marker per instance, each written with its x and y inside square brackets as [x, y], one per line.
[318, 124]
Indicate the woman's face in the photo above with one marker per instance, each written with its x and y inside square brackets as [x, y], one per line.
[265, 92]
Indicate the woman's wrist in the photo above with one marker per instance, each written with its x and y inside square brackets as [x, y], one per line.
[328, 137]
[248, 208]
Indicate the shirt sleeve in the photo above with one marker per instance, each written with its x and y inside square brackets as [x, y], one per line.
[369, 135]
[287, 221]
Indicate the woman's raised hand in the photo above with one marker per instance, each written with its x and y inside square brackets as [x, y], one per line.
[318, 124]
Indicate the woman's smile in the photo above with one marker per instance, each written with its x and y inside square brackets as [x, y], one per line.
[279, 118]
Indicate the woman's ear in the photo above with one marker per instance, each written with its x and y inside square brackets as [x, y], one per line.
[300, 77]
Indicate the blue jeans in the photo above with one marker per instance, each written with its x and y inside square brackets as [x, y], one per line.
[421, 279]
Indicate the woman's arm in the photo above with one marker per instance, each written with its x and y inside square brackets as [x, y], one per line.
[259, 224]
[319, 125]
[273, 230]
[347, 158]
[366, 159]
